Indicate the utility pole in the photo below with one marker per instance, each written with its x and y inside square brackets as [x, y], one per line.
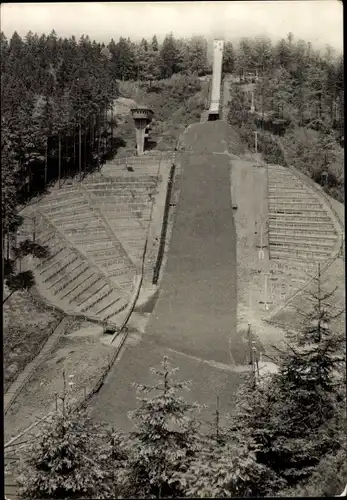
[217, 420]
[59, 161]
[319, 303]
[252, 104]
[250, 298]
[34, 229]
[250, 345]
[98, 127]
[265, 284]
[256, 146]
[262, 97]
[261, 246]
[266, 302]
[255, 362]
[46, 161]
[80, 150]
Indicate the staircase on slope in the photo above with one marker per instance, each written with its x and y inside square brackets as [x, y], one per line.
[67, 278]
[301, 232]
[126, 204]
[128, 201]
[71, 212]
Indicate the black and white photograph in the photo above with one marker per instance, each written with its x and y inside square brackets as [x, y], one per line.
[173, 249]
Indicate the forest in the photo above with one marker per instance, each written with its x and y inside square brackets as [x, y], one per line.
[57, 101]
[300, 93]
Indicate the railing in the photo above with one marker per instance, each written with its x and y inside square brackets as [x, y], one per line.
[164, 227]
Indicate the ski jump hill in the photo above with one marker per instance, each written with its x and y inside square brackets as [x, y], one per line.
[196, 309]
[194, 318]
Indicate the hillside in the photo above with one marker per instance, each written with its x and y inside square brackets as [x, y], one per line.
[177, 102]
[312, 145]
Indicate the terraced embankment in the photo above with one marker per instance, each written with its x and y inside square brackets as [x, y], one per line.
[285, 229]
[193, 321]
[302, 230]
[305, 230]
[93, 229]
[96, 232]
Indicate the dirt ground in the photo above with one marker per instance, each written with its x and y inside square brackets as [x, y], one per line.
[81, 355]
[118, 395]
[27, 325]
[249, 195]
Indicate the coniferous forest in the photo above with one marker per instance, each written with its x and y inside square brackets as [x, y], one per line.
[57, 97]
[287, 435]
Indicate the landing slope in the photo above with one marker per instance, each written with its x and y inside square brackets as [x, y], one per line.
[196, 309]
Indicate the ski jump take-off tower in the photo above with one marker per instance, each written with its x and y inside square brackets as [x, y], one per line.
[218, 46]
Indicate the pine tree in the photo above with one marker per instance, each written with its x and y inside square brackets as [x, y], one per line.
[245, 56]
[263, 53]
[15, 278]
[328, 479]
[112, 458]
[282, 54]
[155, 44]
[225, 466]
[296, 418]
[65, 460]
[151, 67]
[164, 439]
[228, 58]
[9, 170]
[196, 57]
[225, 471]
[169, 56]
[123, 58]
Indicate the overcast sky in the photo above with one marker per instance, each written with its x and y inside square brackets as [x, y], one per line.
[318, 21]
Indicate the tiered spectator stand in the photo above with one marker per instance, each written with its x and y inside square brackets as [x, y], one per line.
[96, 232]
[69, 210]
[126, 205]
[301, 231]
[143, 177]
[68, 279]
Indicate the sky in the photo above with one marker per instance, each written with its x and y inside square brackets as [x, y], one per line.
[317, 21]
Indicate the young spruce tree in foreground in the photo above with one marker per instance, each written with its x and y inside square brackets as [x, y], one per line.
[64, 461]
[165, 438]
[298, 417]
